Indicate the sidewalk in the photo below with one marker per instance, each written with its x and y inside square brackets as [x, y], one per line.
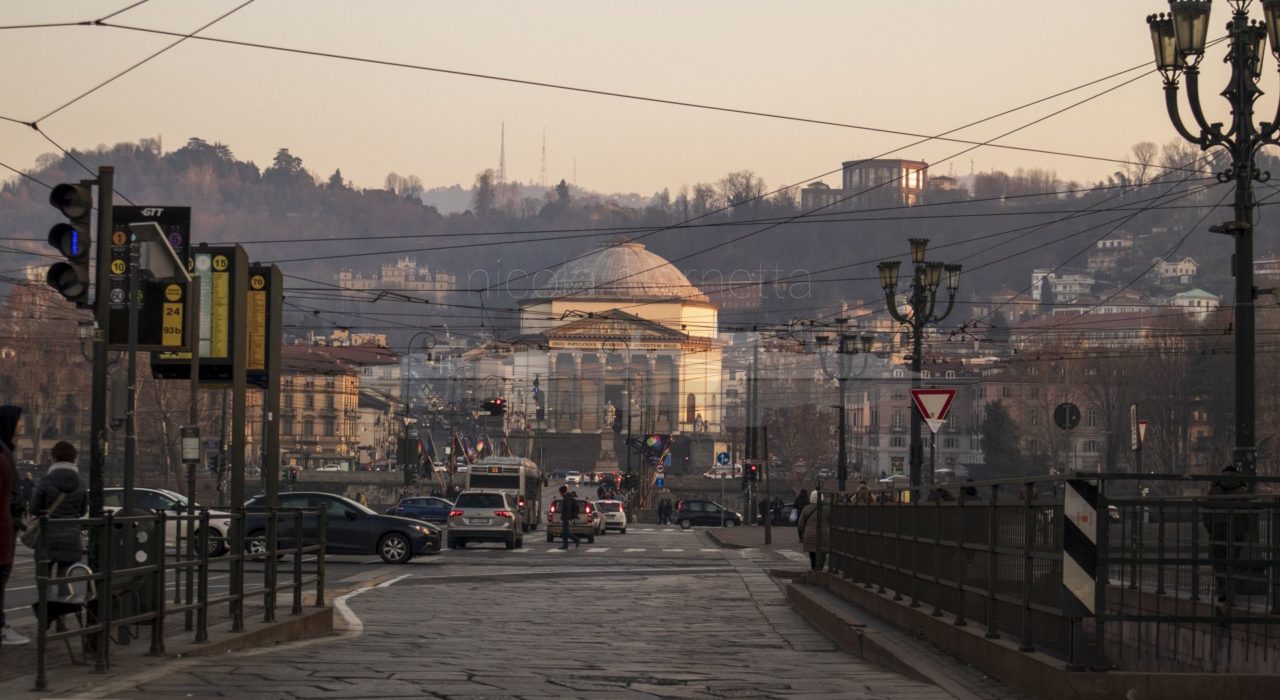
[784, 537]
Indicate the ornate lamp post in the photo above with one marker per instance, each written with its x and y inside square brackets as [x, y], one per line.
[921, 301]
[1179, 41]
[428, 343]
[842, 370]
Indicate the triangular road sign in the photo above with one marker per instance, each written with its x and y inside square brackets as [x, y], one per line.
[933, 405]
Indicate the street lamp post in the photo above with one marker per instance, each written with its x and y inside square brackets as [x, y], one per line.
[1179, 42]
[841, 369]
[427, 344]
[922, 298]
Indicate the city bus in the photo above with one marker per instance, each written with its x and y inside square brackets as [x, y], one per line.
[517, 476]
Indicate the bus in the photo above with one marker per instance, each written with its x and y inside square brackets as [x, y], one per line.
[517, 476]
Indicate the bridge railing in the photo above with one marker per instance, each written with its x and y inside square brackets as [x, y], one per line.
[1103, 571]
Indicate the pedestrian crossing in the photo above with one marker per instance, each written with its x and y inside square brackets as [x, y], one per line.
[534, 550]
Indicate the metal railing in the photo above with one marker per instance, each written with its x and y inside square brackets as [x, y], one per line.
[134, 563]
[1184, 580]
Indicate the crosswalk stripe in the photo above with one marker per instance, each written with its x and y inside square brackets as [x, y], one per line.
[597, 549]
[673, 550]
[710, 549]
[634, 549]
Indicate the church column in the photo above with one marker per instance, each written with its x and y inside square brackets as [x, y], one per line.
[577, 392]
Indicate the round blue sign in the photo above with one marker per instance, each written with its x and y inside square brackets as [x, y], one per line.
[722, 458]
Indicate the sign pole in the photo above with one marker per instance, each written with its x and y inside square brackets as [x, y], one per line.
[239, 350]
[768, 488]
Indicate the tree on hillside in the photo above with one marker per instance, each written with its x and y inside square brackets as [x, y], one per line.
[336, 181]
[1002, 441]
[286, 170]
[485, 194]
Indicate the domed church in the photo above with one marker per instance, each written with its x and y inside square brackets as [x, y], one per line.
[619, 340]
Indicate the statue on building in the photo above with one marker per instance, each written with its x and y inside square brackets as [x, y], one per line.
[610, 414]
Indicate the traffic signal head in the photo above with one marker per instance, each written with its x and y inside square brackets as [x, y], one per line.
[753, 472]
[72, 241]
[496, 407]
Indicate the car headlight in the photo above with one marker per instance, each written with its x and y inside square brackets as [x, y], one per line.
[423, 529]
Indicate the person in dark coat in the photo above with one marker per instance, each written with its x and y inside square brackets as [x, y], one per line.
[63, 539]
[1227, 528]
[11, 509]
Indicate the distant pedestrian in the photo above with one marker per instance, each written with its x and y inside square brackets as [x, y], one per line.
[808, 526]
[568, 513]
[762, 510]
[863, 495]
[61, 495]
[10, 513]
[362, 500]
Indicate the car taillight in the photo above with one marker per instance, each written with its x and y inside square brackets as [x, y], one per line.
[520, 501]
[455, 513]
[503, 514]
[553, 507]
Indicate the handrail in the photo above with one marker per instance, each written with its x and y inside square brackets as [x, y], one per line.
[144, 583]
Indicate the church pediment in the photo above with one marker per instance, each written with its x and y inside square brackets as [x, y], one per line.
[597, 332]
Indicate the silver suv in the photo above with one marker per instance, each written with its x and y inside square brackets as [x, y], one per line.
[484, 516]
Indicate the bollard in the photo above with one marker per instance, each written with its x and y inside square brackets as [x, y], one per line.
[42, 600]
[157, 622]
[324, 523]
[269, 570]
[992, 632]
[297, 563]
[202, 612]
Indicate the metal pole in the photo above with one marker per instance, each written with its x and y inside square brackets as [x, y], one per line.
[239, 357]
[842, 464]
[918, 307]
[130, 425]
[193, 419]
[1242, 94]
[102, 319]
[768, 490]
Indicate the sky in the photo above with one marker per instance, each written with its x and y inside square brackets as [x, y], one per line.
[923, 66]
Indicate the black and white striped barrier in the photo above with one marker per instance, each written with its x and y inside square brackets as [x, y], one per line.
[1079, 548]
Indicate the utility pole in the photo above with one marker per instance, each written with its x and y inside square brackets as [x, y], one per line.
[102, 322]
[768, 487]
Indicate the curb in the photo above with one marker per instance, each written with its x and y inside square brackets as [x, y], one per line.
[715, 537]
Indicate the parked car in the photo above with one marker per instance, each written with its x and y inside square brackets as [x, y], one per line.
[485, 516]
[333, 467]
[582, 526]
[613, 514]
[350, 528]
[432, 509]
[573, 478]
[690, 513]
[172, 503]
[558, 473]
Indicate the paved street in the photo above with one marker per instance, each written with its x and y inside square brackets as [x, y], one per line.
[658, 612]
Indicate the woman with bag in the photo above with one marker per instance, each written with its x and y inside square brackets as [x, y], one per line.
[61, 495]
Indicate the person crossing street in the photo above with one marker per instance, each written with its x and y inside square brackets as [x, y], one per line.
[568, 512]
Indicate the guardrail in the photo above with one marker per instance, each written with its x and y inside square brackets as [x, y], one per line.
[1103, 571]
[132, 555]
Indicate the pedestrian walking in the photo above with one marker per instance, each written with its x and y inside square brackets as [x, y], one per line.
[11, 509]
[808, 526]
[361, 499]
[568, 513]
[61, 495]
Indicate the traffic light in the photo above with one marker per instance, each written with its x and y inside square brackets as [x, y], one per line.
[496, 407]
[752, 472]
[72, 239]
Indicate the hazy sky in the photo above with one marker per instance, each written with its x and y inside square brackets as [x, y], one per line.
[916, 65]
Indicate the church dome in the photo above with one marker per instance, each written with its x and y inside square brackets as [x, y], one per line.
[622, 272]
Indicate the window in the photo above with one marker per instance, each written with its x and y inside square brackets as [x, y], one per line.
[899, 392]
[330, 426]
[897, 441]
[310, 400]
[1006, 392]
[950, 443]
[328, 402]
[68, 425]
[951, 374]
[1091, 419]
[897, 420]
[1092, 446]
[308, 427]
[690, 408]
[975, 442]
[286, 426]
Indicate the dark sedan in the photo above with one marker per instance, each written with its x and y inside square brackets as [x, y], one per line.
[429, 508]
[710, 513]
[350, 528]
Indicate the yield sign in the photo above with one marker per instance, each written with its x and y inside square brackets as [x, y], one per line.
[933, 405]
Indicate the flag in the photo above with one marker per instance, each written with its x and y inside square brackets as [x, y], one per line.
[430, 450]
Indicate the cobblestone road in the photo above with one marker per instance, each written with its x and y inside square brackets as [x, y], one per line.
[679, 619]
